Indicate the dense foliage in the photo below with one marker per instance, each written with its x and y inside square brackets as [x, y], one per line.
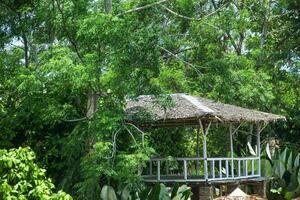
[21, 178]
[67, 68]
[158, 191]
[285, 168]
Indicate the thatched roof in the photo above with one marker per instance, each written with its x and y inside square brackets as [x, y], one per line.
[183, 109]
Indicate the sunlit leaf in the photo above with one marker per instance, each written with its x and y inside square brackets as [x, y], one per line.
[108, 193]
[252, 152]
[268, 151]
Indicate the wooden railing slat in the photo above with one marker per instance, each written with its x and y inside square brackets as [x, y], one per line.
[242, 171]
[185, 170]
[213, 169]
[227, 169]
[150, 167]
[252, 170]
[158, 170]
[239, 168]
[220, 168]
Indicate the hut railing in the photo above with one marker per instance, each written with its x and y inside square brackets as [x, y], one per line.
[191, 169]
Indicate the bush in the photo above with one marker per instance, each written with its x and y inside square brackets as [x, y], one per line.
[284, 167]
[21, 178]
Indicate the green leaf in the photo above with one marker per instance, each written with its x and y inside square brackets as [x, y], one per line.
[266, 168]
[293, 183]
[289, 195]
[155, 192]
[279, 168]
[251, 150]
[283, 155]
[9, 163]
[296, 162]
[276, 191]
[268, 151]
[184, 192]
[108, 193]
[163, 194]
[298, 177]
[145, 193]
[125, 195]
[290, 162]
[174, 190]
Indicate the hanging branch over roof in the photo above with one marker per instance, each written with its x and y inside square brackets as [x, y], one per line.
[141, 8]
[193, 18]
[185, 62]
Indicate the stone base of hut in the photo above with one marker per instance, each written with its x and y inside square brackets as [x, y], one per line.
[203, 191]
[209, 191]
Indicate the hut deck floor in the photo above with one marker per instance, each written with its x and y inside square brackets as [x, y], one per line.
[199, 179]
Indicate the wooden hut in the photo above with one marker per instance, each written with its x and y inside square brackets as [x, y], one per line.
[190, 111]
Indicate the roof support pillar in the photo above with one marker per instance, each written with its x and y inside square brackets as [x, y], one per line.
[258, 130]
[231, 149]
[204, 130]
[198, 151]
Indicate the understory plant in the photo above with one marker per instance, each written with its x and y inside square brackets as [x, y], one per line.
[283, 166]
[157, 192]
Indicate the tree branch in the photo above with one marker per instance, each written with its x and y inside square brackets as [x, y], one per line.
[190, 18]
[227, 32]
[69, 36]
[181, 51]
[185, 62]
[193, 18]
[142, 7]
[76, 120]
[139, 130]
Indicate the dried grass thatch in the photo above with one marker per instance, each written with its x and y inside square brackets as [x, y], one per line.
[147, 110]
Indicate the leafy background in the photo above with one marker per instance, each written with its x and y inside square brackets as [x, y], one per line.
[55, 53]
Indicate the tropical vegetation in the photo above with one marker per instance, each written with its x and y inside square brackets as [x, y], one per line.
[67, 68]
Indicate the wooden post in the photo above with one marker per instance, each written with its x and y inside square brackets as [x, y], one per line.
[220, 168]
[167, 167]
[150, 167]
[258, 130]
[246, 168]
[198, 152]
[231, 149]
[252, 167]
[185, 169]
[213, 169]
[158, 170]
[239, 168]
[227, 170]
[205, 131]
[205, 157]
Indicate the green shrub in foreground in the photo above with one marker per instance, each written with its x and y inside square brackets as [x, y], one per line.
[21, 178]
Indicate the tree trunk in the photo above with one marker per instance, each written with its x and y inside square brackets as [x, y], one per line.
[26, 50]
[264, 31]
[92, 103]
[107, 6]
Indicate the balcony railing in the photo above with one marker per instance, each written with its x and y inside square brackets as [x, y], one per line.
[193, 169]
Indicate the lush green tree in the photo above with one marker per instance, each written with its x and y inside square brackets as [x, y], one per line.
[67, 68]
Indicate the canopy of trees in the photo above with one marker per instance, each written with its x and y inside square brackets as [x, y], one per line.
[67, 67]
